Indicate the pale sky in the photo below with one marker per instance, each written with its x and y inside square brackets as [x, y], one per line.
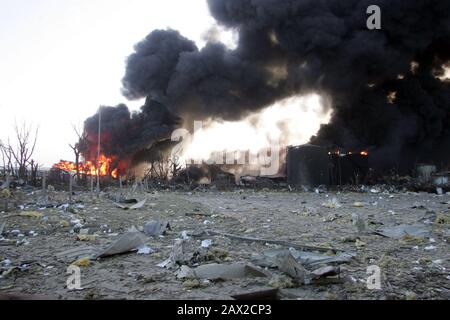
[61, 59]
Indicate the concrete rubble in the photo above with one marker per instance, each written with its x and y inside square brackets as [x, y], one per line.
[210, 244]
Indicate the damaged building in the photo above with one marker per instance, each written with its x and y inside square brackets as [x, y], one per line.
[311, 165]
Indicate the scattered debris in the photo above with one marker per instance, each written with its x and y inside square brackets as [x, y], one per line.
[83, 262]
[136, 206]
[286, 263]
[177, 255]
[86, 237]
[397, 232]
[156, 228]
[227, 271]
[359, 244]
[246, 234]
[442, 219]
[268, 294]
[130, 241]
[278, 242]
[77, 253]
[281, 282]
[145, 250]
[358, 204]
[192, 284]
[2, 227]
[328, 271]
[31, 214]
[307, 259]
[358, 222]
[199, 214]
[206, 243]
[332, 204]
[185, 273]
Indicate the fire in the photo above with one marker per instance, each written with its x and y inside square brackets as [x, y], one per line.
[339, 153]
[89, 167]
[291, 121]
[446, 75]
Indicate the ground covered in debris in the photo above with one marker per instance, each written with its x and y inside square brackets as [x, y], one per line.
[285, 245]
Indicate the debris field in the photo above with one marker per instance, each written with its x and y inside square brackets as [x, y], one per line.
[237, 244]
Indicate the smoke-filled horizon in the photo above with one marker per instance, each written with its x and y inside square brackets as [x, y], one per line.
[298, 47]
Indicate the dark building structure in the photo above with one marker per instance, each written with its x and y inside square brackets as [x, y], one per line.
[310, 165]
[349, 168]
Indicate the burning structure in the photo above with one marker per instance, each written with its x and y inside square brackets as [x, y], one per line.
[385, 90]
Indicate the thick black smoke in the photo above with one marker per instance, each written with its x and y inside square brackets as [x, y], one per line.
[128, 136]
[290, 47]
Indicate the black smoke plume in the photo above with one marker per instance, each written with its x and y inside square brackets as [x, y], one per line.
[293, 47]
[129, 137]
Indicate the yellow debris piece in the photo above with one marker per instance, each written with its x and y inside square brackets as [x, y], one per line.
[31, 214]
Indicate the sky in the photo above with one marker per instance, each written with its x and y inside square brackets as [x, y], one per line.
[61, 60]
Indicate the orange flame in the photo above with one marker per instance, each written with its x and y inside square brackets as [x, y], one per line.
[115, 173]
[89, 167]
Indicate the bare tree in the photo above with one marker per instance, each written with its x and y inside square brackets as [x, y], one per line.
[3, 150]
[34, 170]
[77, 149]
[176, 166]
[24, 148]
[159, 168]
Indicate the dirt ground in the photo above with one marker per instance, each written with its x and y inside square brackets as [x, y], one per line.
[411, 267]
